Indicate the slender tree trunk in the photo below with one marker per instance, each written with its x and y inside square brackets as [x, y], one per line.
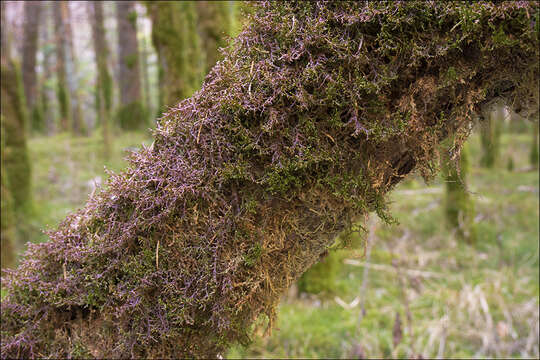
[533, 156]
[7, 233]
[32, 15]
[79, 126]
[14, 125]
[63, 94]
[175, 37]
[131, 114]
[214, 23]
[145, 77]
[459, 206]
[490, 135]
[45, 86]
[103, 83]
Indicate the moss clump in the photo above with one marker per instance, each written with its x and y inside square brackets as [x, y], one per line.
[341, 94]
[132, 116]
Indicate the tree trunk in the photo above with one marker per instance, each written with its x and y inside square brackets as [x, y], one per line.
[79, 126]
[132, 114]
[7, 233]
[490, 135]
[103, 83]
[45, 83]
[175, 38]
[533, 155]
[214, 23]
[309, 121]
[145, 77]
[459, 206]
[62, 92]
[32, 14]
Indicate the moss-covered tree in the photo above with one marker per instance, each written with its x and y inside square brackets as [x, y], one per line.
[104, 81]
[32, 17]
[316, 112]
[7, 228]
[177, 43]
[214, 24]
[62, 91]
[533, 155]
[490, 134]
[78, 126]
[131, 114]
[459, 206]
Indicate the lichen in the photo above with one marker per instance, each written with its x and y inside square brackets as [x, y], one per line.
[340, 100]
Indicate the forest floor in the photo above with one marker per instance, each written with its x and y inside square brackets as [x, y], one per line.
[424, 294]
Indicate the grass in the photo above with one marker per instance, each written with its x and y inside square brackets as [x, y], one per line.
[428, 295]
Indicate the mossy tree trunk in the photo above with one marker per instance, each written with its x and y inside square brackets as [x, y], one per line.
[16, 181]
[175, 38]
[533, 157]
[62, 92]
[32, 17]
[104, 81]
[315, 113]
[459, 206]
[7, 229]
[490, 135]
[79, 126]
[145, 74]
[214, 24]
[131, 113]
[46, 82]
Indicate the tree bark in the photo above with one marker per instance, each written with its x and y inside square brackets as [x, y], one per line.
[32, 15]
[214, 23]
[312, 117]
[459, 206]
[62, 92]
[79, 126]
[132, 114]
[175, 38]
[103, 83]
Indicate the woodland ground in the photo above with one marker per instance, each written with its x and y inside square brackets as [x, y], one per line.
[452, 299]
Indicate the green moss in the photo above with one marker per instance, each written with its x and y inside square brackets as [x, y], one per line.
[253, 255]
